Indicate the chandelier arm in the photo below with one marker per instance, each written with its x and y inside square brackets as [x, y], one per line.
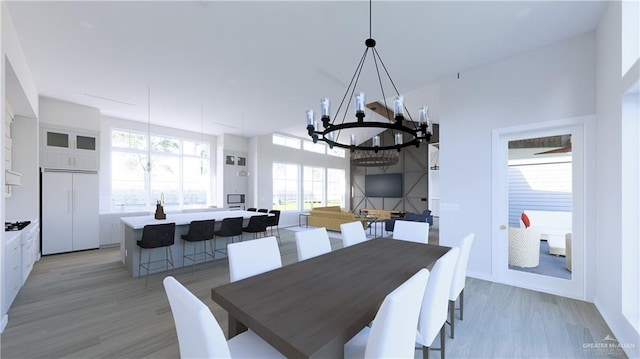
[346, 93]
[392, 83]
[353, 89]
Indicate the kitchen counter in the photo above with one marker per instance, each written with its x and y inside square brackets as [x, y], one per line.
[132, 232]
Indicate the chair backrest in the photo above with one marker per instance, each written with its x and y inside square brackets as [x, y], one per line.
[158, 235]
[231, 226]
[201, 230]
[352, 233]
[263, 210]
[199, 334]
[257, 224]
[393, 331]
[460, 273]
[411, 231]
[250, 258]
[312, 243]
[275, 219]
[252, 209]
[434, 309]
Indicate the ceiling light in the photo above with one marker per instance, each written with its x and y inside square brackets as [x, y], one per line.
[406, 132]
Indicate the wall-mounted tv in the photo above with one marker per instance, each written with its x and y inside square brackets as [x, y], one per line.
[384, 185]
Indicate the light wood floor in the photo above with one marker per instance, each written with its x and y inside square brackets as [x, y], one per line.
[85, 305]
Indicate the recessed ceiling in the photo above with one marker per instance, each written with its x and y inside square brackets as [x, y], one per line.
[256, 66]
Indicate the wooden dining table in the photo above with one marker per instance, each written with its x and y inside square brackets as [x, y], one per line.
[310, 309]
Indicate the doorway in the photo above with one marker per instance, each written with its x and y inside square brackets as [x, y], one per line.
[539, 170]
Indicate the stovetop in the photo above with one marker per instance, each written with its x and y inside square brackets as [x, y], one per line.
[15, 226]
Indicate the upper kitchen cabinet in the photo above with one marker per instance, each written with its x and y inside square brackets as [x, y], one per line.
[69, 149]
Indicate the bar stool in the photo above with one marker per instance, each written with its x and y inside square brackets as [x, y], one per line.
[230, 227]
[156, 236]
[263, 210]
[257, 224]
[252, 209]
[274, 221]
[199, 231]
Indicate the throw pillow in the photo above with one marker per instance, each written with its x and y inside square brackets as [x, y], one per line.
[525, 220]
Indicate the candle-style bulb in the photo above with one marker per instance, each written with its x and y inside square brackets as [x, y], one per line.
[360, 102]
[399, 139]
[398, 106]
[310, 117]
[325, 107]
[376, 141]
[423, 116]
[352, 139]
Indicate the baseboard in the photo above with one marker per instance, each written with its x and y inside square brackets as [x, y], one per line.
[4, 322]
[480, 275]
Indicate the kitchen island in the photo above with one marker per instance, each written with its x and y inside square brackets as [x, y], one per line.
[132, 228]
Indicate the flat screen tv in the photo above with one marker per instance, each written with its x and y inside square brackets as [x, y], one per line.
[384, 185]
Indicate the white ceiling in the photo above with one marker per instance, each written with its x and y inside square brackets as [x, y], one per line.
[257, 66]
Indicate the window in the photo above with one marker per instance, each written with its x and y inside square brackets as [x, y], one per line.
[285, 186]
[336, 151]
[312, 187]
[314, 147]
[287, 141]
[179, 171]
[335, 187]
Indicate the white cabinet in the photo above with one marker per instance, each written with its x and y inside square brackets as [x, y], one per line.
[70, 219]
[66, 149]
[12, 263]
[30, 248]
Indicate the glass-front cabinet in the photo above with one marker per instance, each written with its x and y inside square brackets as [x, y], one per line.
[69, 149]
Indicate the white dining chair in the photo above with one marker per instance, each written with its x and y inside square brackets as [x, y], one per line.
[352, 233]
[433, 313]
[459, 278]
[392, 333]
[253, 257]
[312, 243]
[200, 335]
[411, 231]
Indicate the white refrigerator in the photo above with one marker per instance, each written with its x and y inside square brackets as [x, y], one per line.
[70, 220]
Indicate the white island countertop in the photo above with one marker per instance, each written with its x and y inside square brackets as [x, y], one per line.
[138, 222]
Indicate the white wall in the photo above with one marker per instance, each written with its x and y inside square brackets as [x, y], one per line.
[550, 83]
[265, 153]
[24, 203]
[610, 88]
[61, 113]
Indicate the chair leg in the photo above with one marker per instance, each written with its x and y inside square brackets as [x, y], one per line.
[461, 302]
[146, 279]
[452, 315]
[173, 267]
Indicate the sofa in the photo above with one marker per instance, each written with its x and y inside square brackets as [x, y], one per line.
[426, 216]
[331, 218]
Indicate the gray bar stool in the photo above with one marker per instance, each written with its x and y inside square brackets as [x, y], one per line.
[156, 236]
[199, 231]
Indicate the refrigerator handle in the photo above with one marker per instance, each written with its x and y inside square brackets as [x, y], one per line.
[73, 201]
[68, 201]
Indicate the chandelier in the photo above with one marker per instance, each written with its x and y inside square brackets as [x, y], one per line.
[406, 132]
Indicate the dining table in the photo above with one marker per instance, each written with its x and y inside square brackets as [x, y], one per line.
[311, 308]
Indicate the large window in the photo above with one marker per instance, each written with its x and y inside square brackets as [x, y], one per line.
[313, 187]
[179, 171]
[285, 186]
